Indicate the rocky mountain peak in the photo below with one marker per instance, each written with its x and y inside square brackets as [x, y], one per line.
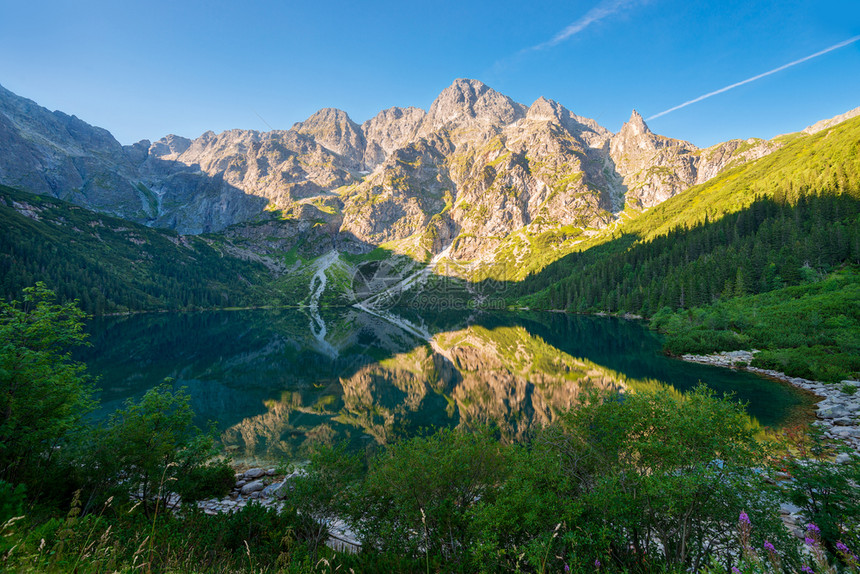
[170, 146]
[654, 167]
[389, 130]
[467, 102]
[636, 125]
[544, 109]
[830, 122]
[324, 118]
[477, 164]
[586, 130]
[333, 129]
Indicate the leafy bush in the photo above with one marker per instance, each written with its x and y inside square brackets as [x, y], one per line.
[151, 448]
[326, 490]
[44, 396]
[210, 480]
[826, 492]
[11, 500]
[532, 516]
[665, 474]
[417, 496]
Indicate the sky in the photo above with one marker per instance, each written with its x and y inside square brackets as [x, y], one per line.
[144, 70]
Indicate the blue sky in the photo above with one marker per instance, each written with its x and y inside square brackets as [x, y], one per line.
[143, 70]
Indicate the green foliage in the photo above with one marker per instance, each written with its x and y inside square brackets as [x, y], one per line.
[645, 481]
[252, 539]
[152, 444]
[806, 331]
[44, 395]
[769, 245]
[213, 479]
[827, 492]
[325, 489]
[522, 526]
[418, 493]
[11, 500]
[664, 475]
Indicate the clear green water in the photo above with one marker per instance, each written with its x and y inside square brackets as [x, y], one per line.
[275, 387]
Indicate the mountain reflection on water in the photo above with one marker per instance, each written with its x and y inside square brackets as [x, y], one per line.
[275, 387]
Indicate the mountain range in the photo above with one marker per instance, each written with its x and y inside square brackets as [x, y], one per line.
[473, 169]
[478, 186]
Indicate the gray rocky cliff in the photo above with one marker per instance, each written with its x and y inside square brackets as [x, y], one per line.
[388, 131]
[653, 167]
[52, 153]
[335, 131]
[830, 122]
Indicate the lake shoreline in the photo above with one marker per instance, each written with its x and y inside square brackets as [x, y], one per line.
[836, 412]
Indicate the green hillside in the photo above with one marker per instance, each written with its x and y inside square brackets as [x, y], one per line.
[788, 217]
[113, 265]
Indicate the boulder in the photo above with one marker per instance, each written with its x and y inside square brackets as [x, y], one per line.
[832, 411]
[253, 486]
[254, 473]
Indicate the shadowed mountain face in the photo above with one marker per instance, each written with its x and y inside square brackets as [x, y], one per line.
[276, 384]
[474, 169]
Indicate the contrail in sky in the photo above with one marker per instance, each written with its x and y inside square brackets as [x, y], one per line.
[603, 9]
[760, 76]
[599, 12]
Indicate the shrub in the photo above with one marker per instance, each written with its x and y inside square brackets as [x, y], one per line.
[826, 492]
[417, 496]
[44, 395]
[210, 480]
[666, 474]
[151, 448]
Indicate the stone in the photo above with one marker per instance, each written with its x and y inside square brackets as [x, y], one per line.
[273, 490]
[833, 412]
[842, 458]
[253, 486]
[843, 432]
[254, 473]
[270, 472]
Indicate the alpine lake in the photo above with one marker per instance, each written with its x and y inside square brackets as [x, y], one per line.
[277, 382]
